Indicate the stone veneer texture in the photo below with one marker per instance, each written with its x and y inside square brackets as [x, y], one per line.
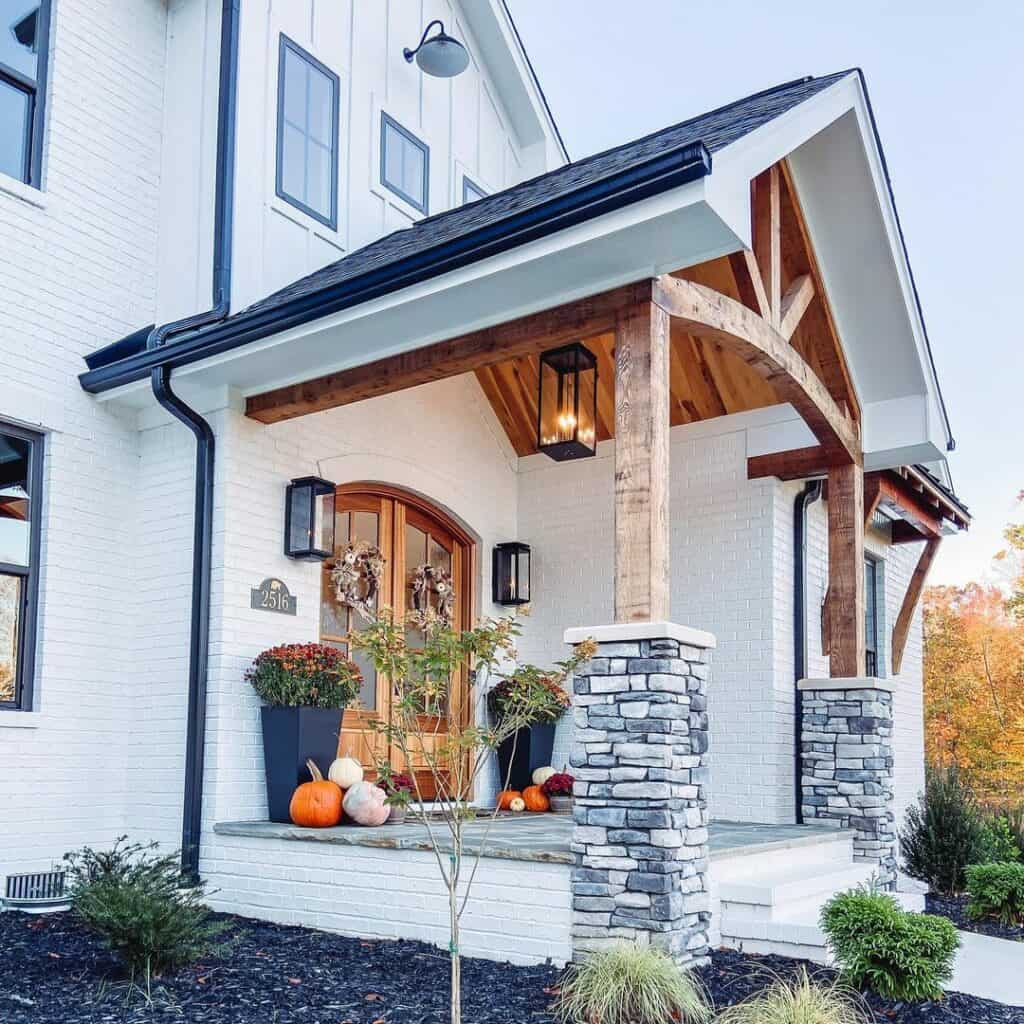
[640, 839]
[847, 777]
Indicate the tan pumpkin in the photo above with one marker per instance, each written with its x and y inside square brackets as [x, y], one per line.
[535, 800]
[505, 798]
[316, 804]
[517, 805]
[345, 772]
[541, 775]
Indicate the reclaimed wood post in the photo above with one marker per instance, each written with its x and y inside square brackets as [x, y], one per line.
[641, 464]
[846, 571]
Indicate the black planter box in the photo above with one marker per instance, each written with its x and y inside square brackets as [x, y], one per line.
[533, 747]
[290, 735]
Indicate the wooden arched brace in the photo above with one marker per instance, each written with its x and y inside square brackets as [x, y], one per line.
[915, 588]
[708, 314]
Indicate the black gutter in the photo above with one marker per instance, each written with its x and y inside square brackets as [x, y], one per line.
[633, 184]
[810, 494]
[160, 380]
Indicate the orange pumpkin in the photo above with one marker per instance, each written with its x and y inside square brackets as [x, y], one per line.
[316, 804]
[535, 799]
[505, 798]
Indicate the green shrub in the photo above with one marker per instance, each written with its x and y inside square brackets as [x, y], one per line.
[943, 833]
[996, 890]
[998, 843]
[133, 899]
[1015, 823]
[630, 984]
[880, 946]
[799, 1001]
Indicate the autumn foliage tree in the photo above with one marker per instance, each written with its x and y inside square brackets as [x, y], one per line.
[974, 678]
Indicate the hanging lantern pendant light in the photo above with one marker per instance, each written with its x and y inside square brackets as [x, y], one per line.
[567, 403]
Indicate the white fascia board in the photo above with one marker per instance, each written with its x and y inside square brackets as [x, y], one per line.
[902, 431]
[498, 45]
[654, 236]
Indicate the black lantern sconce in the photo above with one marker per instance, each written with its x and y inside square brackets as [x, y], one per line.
[567, 403]
[510, 582]
[309, 519]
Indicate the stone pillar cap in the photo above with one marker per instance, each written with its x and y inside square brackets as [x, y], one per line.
[848, 683]
[619, 632]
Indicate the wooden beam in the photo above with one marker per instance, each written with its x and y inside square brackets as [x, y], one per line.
[846, 571]
[709, 314]
[794, 304]
[768, 238]
[915, 588]
[912, 508]
[641, 464]
[521, 337]
[749, 284]
[796, 464]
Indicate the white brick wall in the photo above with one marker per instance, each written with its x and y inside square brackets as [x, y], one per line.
[77, 269]
[518, 910]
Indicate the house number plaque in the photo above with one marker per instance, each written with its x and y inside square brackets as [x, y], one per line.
[273, 595]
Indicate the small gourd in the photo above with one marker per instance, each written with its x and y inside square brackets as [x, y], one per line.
[505, 798]
[316, 804]
[517, 805]
[364, 804]
[535, 800]
[345, 772]
[541, 775]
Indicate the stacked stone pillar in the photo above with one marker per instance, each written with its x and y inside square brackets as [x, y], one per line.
[640, 838]
[847, 765]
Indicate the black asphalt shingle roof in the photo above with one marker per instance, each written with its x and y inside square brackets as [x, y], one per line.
[716, 130]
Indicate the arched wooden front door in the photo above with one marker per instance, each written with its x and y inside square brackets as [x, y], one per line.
[410, 533]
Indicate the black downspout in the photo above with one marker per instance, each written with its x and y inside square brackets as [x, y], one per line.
[810, 494]
[199, 640]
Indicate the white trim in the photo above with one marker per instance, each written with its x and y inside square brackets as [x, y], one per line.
[619, 632]
[848, 683]
[19, 190]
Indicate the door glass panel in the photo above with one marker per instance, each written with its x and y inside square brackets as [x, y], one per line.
[365, 526]
[10, 608]
[440, 557]
[368, 690]
[334, 616]
[415, 556]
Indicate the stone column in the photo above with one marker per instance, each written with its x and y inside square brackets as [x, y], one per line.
[639, 754]
[847, 771]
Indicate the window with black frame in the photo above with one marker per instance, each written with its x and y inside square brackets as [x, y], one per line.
[21, 456]
[24, 37]
[871, 569]
[404, 164]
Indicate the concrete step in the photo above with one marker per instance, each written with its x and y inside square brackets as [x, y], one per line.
[787, 885]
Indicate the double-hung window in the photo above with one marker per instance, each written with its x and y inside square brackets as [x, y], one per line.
[24, 39]
[21, 476]
[404, 164]
[871, 623]
[307, 133]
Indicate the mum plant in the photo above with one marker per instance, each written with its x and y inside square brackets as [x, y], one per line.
[559, 784]
[449, 744]
[305, 675]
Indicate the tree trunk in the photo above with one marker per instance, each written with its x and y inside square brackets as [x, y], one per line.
[455, 955]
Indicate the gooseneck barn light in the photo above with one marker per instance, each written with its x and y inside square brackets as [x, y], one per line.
[442, 55]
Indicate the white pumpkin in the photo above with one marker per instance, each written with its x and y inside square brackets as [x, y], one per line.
[345, 772]
[517, 805]
[541, 775]
[364, 804]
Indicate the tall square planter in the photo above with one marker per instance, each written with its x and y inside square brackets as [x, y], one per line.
[290, 736]
[526, 751]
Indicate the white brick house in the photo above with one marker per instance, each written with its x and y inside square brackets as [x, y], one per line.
[357, 212]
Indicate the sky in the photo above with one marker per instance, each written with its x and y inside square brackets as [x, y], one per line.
[946, 82]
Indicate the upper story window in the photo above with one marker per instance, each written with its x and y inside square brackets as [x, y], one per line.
[21, 476]
[872, 573]
[471, 191]
[307, 133]
[24, 38]
[404, 163]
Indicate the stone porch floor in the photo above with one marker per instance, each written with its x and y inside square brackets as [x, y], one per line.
[542, 838]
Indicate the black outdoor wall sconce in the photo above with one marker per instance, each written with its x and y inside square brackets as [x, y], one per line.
[309, 519]
[510, 581]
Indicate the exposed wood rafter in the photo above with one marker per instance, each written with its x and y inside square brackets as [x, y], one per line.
[794, 304]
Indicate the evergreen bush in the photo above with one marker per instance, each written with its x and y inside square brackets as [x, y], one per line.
[996, 890]
[880, 946]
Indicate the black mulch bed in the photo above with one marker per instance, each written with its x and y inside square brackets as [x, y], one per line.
[51, 972]
[955, 908]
